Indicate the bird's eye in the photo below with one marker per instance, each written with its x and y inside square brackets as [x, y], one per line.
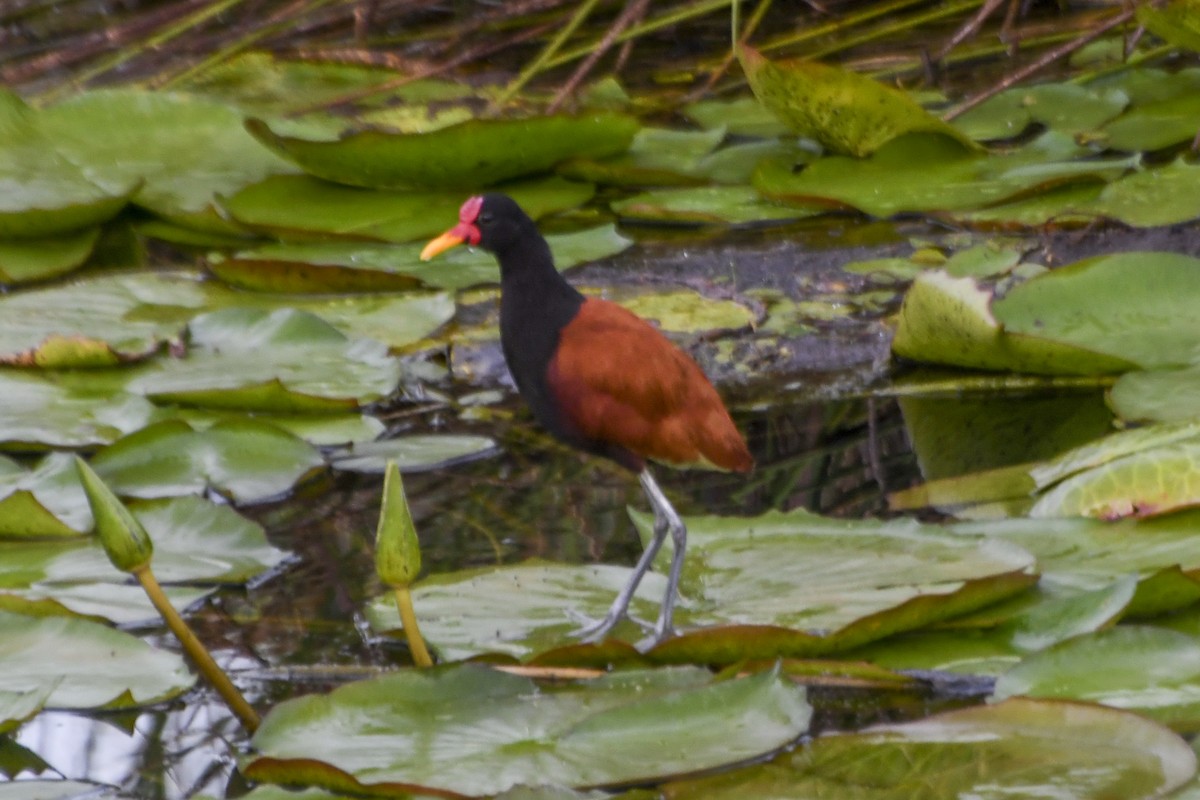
[485, 217]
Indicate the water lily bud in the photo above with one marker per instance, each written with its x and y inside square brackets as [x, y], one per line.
[125, 540]
[397, 551]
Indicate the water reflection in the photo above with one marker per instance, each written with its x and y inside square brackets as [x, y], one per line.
[301, 632]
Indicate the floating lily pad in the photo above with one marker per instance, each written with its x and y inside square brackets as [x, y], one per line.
[85, 664]
[278, 86]
[1157, 395]
[745, 116]
[1018, 748]
[1177, 23]
[244, 460]
[473, 731]
[516, 610]
[44, 502]
[949, 320]
[1152, 671]
[323, 430]
[281, 361]
[1132, 306]
[1065, 107]
[844, 111]
[41, 192]
[889, 577]
[927, 173]
[39, 412]
[411, 453]
[345, 267]
[122, 136]
[738, 602]
[464, 156]
[690, 312]
[1162, 196]
[94, 322]
[196, 541]
[1155, 125]
[656, 157]
[25, 260]
[303, 207]
[707, 205]
[1154, 481]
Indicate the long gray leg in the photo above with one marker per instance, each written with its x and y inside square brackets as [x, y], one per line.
[663, 511]
[665, 520]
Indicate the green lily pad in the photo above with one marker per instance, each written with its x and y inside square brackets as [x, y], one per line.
[41, 192]
[1018, 748]
[18, 706]
[39, 412]
[690, 312]
[1168, 395]
[473, 731]
[707, 205]
[1153, 671]
[244, 460]
[278, 86]
[1149, 198]
[85, 664]
[463, 156]
[1155, 125]
[1140, 471]
[121, 136]
[515, 610]
[1064, 107]
[1177, 23]
[1063, 206]
[26, 260]
[888, 578]
[411, 453]
[1154, 481]
[928, 173]
[281, 361]
[656, 157]
[322, 430]
[302, 207]
[949, 320]
[196, 541]
[844, 111]
[348, 267]
[1131, 306]
[92, 322]
[745, 116]
[45, 502]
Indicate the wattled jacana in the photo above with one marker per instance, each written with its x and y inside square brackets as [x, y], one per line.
[599, 378]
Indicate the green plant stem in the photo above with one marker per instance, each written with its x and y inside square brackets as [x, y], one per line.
[1040, 63]
[539, 63]
[209, 668]
[1140, 57]
[278, 22]
[940, 11]
[668, 19]
[156, 40]
[412, 632]
[848, 21]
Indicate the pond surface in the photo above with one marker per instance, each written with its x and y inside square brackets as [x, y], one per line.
[818, 410]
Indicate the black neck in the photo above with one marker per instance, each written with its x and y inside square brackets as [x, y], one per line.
[536, 302]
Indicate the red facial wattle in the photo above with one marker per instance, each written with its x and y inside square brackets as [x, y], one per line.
[465, 231]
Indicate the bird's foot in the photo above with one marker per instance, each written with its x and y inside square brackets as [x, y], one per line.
[595, 631]
[661, 631]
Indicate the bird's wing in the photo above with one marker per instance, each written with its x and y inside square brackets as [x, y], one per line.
[621, 382]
